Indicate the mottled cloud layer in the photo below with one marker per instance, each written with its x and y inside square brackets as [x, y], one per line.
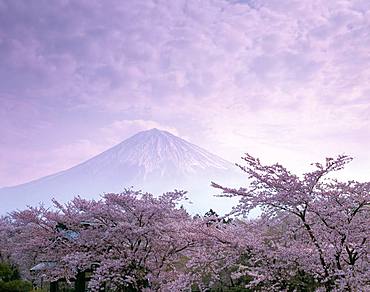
[285, 80]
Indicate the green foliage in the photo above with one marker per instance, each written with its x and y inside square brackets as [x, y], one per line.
[15, 286]
[39, 290]
[8, 273]
[225, 281]
[10, 280]
[302, 282]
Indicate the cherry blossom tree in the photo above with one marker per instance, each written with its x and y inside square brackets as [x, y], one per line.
[312, 234]
[138, 240]
[5, 234]
[222, 247]
[129, 240]
[314, 228]
[35, 238]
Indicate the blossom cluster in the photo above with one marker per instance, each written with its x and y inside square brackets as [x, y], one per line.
[312, 234]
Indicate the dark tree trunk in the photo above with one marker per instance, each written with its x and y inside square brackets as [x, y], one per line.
[54, 286]
[80, 282]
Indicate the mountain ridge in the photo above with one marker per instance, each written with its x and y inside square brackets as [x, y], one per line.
[152, 160]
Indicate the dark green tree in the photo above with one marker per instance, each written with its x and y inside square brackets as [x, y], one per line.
[10, 280]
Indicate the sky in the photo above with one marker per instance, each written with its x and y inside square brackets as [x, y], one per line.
[284, 80]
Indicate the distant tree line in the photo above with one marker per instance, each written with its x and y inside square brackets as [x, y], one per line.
[312, 235]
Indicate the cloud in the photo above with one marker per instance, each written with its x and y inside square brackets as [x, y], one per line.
[157, 53]
[291, 75]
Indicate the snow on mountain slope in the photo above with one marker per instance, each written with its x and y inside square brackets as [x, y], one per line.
[153, 160]
[156, 151]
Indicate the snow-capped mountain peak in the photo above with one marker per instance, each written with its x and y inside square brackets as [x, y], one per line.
[152, 160]
[154, 150]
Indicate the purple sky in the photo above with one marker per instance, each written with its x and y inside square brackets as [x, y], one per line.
[287, 81]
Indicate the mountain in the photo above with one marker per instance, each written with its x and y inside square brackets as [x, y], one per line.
[154, 161]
